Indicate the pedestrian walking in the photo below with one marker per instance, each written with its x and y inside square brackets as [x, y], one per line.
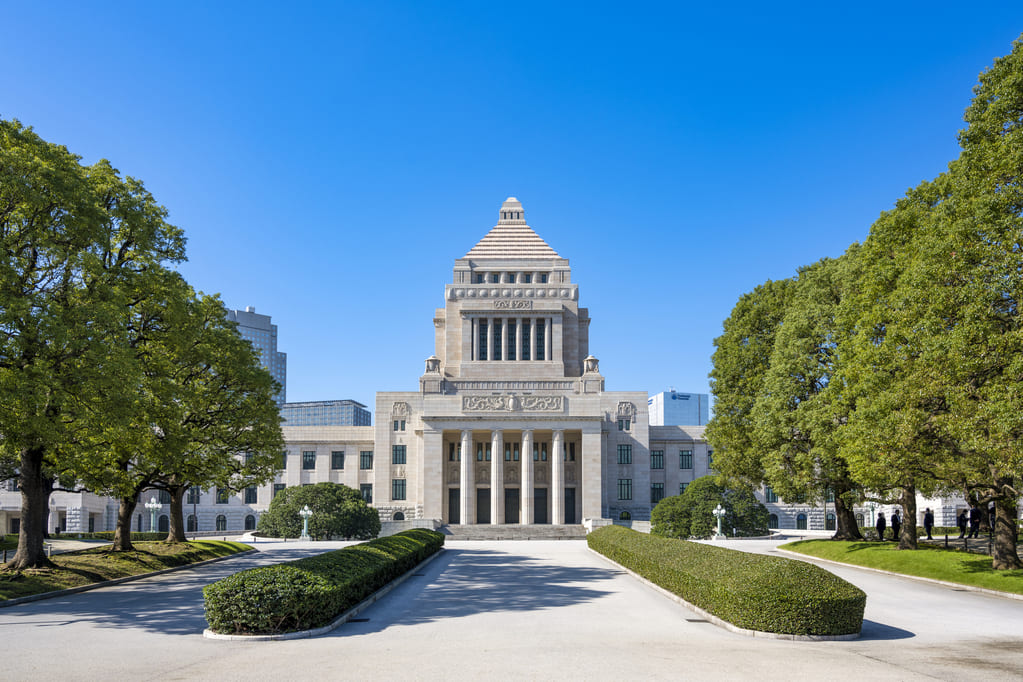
[896, 525]
[928, 522]
[961, 522]
[881, 524]
[974, 522]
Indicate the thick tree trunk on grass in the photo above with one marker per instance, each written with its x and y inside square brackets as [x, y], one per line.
[846, 527]
[122, 534]
[176, 531]
[1004, 556]
[907, 534]
[35, 510]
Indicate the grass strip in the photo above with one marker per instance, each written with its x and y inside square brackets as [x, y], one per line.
[936, 563]
[89, 566]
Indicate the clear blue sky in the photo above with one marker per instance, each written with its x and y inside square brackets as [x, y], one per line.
[329, 161]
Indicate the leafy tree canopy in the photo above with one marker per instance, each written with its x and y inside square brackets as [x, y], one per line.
[338, 512]
[691, 513]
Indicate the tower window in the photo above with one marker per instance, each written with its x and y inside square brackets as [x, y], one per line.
[495, 278]
[543, 278]
[509, 278]
[483, 340]
[527, 278]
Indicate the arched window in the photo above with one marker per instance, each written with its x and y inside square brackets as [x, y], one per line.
[398, 516]
[163, 523]
[829, 523]
[859, 520]
[772, 521]
[625, 516]
[139, 523]
[801, 522]
[190, 524]
[221, 522]
[250, 522]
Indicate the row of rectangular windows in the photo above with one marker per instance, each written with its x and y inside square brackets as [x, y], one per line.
[483, 453]
[511, 452]
[541, 342]
[511, 278]
[398, 490]
[656, 490]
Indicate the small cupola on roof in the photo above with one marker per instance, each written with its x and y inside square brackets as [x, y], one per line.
[512, 237]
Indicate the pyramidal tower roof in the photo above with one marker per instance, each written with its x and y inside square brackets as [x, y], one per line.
[512, 237]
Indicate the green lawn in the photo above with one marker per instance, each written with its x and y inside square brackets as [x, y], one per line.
[927, 562]
[95, 565]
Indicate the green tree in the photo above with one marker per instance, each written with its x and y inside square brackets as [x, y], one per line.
[338, 512]
[741, 359]
[691, 513]
[77, 246]
[203, 411]
[795, 422]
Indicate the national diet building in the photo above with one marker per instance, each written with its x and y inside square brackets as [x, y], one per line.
[510, 423]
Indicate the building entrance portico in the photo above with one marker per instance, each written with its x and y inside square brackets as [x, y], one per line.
[515, 475]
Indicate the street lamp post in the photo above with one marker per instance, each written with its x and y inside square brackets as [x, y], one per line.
[719, 514]
[153, 506]
[305, 513]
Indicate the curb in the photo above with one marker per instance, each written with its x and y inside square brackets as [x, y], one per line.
[759, 634]
[118, 581]
[337, 622]
[944, 583]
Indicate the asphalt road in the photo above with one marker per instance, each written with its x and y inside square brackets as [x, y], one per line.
[506, 610]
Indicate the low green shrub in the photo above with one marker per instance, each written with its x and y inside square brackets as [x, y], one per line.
[311, 592]
[752, 591]
[870, 533]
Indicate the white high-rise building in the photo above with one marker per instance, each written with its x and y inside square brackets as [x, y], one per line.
[672, 407]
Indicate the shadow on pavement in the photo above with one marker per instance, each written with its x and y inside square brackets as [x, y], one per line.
[169, 604]
[464, 582]
[873, 631]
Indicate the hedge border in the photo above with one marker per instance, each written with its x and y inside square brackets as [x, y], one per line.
[337, 622]
[311, 592]
[721, 623]
[750, 591]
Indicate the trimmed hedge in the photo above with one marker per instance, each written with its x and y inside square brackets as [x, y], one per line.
[109, 535]
[311, 592]
[752, 591]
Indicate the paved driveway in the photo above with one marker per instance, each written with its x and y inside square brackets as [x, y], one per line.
[507, 610]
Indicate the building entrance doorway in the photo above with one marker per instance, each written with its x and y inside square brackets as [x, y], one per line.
[540, 505]
[570, 505]
[483, 505]
[454, 505]
[511, 505]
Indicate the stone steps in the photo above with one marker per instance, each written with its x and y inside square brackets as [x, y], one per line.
[514, 532]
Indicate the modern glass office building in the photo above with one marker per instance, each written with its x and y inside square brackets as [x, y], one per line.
[326, 413]
[671, 408]
[258, 330]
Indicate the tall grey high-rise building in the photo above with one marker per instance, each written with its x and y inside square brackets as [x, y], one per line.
[263, 335]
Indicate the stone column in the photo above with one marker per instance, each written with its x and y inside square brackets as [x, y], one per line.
[466, 480]
[526, 489]
[532, 339]
[548, 339]
[504, 338]
[490, 340]
[558, 478]
[497, 477]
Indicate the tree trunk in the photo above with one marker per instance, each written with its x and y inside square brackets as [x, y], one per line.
[1004, 556]
[907, 534]
[846, 527]
[35, 509]
[176, 531]
[122, 534]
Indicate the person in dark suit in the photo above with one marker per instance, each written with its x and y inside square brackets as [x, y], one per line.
[974, 522]
[896, 525]
[928, 522]
[961, 522]
[881, 525]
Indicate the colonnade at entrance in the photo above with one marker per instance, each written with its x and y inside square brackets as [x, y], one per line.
[513, 477]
